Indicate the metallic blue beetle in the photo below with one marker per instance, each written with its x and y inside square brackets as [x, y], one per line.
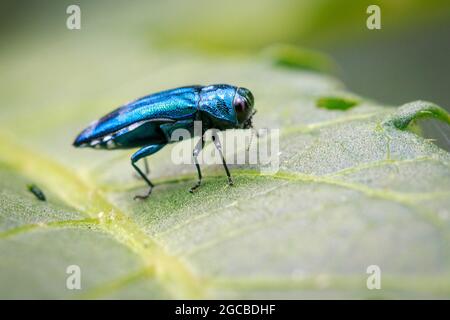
[148, 122]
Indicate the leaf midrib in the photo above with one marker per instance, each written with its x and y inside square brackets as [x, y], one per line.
[179, 281]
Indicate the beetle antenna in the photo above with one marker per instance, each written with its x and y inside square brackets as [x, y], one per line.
[254, 132]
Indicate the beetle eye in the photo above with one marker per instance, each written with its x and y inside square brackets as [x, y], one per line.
[240, 106]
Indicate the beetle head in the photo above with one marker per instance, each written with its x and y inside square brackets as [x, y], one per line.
[227, 107]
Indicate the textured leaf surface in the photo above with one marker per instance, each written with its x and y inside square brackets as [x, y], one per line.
[355, 187]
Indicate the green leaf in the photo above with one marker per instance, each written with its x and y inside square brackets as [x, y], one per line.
[355, 188]
[299, 58]
[336, 103]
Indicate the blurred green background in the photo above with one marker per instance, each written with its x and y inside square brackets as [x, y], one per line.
[407, 59]
[54, 81]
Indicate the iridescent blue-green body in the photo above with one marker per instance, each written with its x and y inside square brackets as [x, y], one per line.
[149, 122]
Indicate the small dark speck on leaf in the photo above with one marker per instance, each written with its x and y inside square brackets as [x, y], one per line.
[34, 189]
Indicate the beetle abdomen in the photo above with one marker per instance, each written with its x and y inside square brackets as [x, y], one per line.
[135, 135]
[175, 104]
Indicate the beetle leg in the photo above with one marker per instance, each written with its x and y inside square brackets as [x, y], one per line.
[146, 169]
[216, 141]
[142, 153]
[198, 147]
